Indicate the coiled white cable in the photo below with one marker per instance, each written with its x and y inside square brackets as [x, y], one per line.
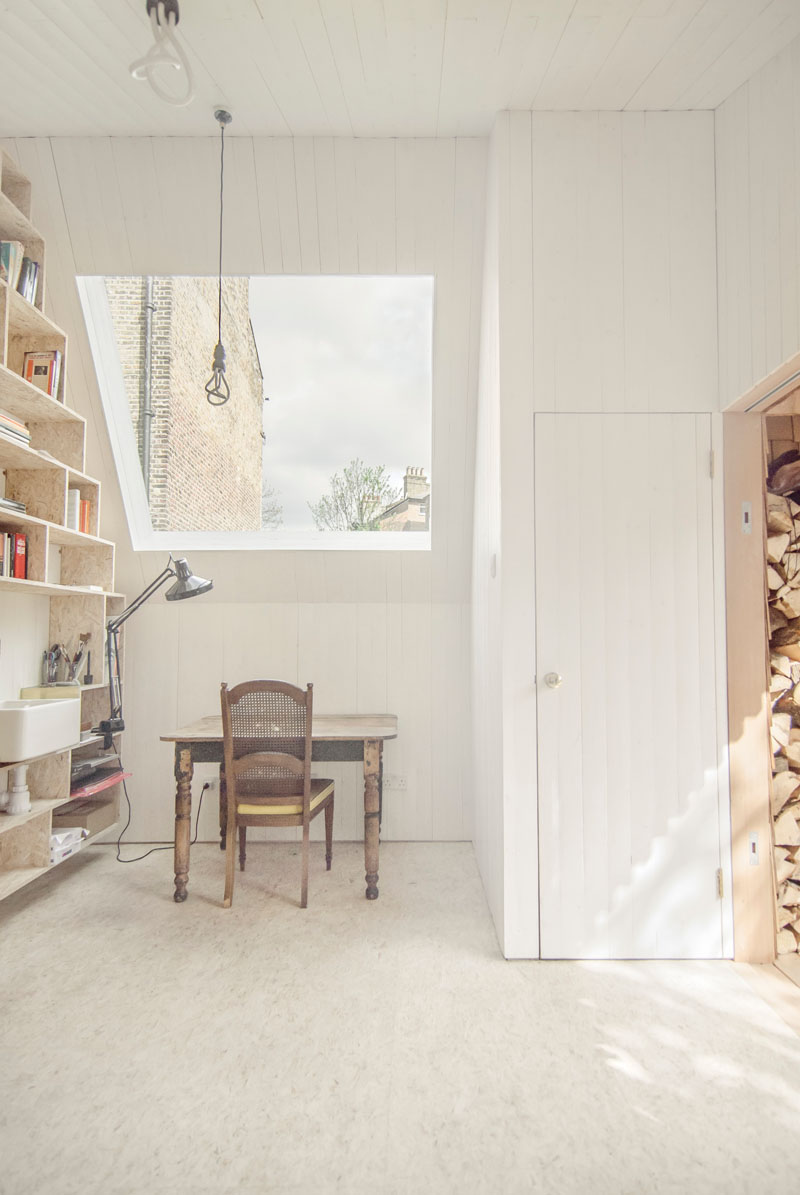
[165, 51]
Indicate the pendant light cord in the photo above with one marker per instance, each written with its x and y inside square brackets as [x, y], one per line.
[221, 201]
[217, 389]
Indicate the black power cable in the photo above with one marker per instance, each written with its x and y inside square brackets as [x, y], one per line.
[169, 846]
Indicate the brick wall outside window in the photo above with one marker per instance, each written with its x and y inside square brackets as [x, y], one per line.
[205, 461]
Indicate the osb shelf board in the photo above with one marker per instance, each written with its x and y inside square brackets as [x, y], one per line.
[28, 402]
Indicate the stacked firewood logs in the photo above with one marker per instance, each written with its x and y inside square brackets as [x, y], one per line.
[783, 583]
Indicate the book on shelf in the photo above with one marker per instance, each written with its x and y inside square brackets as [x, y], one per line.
[11, 421]
[97, 786]
[20, 550]
[11, 255]
[84, 510]
[13, 554]
[19, 437]
[73, 509]
[14, 428]
[89, 768]
[8, 553]
[12, 504]
[28, 280]
[43, 370]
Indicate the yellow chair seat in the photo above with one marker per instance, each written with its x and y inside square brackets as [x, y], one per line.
[283, 810]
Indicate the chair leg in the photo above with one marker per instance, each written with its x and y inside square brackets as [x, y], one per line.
[304, 887]
[230, 869]
[242, 846]
[328, 834]
[223, 809]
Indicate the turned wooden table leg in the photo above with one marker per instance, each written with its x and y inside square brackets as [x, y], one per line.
[372, 768]
[184, 769]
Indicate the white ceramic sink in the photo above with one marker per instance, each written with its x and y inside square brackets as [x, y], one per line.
[29, 728]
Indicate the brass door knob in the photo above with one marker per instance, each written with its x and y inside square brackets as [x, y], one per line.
[553, 680]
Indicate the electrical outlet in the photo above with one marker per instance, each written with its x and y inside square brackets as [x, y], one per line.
[393, 781]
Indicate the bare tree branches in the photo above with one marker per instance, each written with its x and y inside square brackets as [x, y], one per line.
[271, 508]
[356, 497]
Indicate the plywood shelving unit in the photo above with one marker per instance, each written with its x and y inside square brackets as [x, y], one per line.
[72, 569]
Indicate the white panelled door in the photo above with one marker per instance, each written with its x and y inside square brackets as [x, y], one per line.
[629, 762]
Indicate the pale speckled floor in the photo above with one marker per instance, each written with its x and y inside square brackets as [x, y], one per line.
[355, 1047]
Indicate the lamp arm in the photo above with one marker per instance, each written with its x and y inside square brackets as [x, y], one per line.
[112, 668]
[115, 623]
[114, 723]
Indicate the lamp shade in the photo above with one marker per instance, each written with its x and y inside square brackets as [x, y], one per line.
[187, 584]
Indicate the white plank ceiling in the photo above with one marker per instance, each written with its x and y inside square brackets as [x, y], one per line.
[378, 67]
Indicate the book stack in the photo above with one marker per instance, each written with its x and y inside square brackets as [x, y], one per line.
[28, 280]
[43, 370]
[12, 504]
[13, 429]
[13, 554]
[11, 255]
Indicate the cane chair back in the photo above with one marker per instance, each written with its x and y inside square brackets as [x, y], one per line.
[266, 729]
[275, 720]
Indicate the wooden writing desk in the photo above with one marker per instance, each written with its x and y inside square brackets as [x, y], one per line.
[334, 737]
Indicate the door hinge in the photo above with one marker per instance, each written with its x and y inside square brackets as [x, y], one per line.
[720, 884]
[711, 463]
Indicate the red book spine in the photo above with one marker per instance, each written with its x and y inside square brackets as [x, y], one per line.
[20, 555]
[84, 515]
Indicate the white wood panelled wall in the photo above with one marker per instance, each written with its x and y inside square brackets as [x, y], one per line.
[374, 632]
[758, 201]
[24, 627]
[621, 301]
[606, 303]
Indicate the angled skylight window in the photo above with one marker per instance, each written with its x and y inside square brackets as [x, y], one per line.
[326, 439]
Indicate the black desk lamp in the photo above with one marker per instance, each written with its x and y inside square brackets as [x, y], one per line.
[186, 585]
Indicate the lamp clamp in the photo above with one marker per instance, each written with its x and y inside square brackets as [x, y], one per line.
[108, 728]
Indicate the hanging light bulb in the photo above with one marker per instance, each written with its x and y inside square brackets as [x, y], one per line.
[217, 389]
[166, 50]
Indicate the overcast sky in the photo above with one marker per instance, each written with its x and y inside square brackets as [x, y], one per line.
[347, 368]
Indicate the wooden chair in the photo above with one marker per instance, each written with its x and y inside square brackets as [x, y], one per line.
[266, 727]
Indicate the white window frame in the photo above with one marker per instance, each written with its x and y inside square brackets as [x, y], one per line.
[144, 538]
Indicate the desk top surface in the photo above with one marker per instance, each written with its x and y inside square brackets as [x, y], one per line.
[324, 728]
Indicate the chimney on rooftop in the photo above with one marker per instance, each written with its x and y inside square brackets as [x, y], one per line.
[415, 483]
